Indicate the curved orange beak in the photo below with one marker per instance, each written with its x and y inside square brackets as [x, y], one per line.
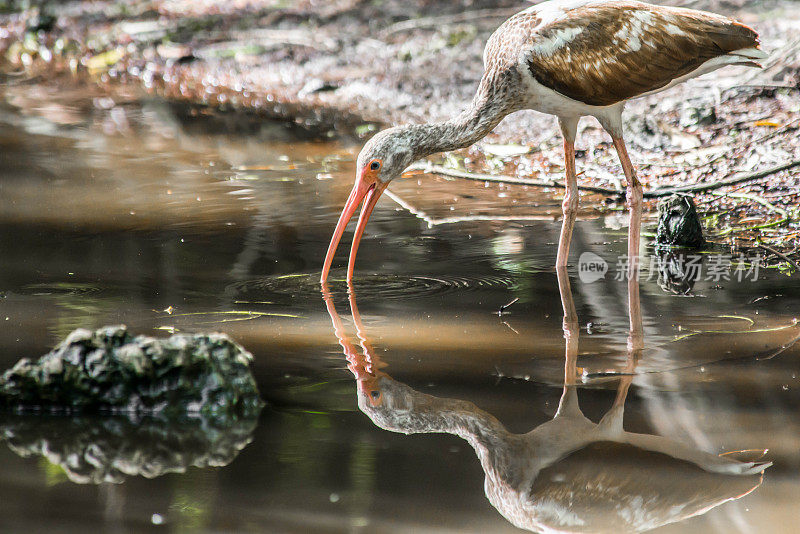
[367, 188]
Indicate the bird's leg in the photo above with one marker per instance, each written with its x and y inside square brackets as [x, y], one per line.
[570, 204]
[635, 332]
[634, 198]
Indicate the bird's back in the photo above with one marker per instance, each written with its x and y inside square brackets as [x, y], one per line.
[603, 52]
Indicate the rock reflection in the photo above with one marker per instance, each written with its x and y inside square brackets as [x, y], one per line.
[678, 271]
[568, 474]
[94, 450]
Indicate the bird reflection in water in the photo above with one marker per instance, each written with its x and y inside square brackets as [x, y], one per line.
[568, 474]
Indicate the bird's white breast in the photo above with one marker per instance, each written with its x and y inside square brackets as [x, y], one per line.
[545, 100]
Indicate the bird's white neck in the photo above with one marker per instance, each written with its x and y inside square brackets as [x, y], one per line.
[489, 106]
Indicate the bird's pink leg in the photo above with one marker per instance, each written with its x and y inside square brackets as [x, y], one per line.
[570, 204]
[634, 196]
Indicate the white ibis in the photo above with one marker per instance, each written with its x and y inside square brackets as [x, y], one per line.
[568, 58]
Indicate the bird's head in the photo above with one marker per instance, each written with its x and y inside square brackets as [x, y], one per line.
[382, 159]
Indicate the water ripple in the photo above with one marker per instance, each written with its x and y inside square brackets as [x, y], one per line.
[371, 285]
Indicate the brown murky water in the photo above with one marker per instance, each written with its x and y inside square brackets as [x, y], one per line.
[118, 211]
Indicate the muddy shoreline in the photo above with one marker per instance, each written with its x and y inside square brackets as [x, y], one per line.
[351, 62]
[352, 67]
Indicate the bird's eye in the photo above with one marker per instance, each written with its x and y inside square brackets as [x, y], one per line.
[375, 165]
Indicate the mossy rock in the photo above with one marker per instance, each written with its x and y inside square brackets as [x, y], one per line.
[111, 371]
[678, 223]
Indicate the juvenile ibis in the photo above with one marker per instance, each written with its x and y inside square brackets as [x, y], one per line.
[568, 58]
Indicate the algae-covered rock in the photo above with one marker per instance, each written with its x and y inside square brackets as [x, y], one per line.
[110, 371]
[93, 450]
[678, 223]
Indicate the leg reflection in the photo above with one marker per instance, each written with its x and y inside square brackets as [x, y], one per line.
[635, 341]
[569, 325]
[568, 405]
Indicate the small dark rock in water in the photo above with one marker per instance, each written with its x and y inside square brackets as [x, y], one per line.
[110, 371]
[678, 223]
[94, 450]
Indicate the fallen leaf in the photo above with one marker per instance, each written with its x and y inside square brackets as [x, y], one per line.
[104, 60]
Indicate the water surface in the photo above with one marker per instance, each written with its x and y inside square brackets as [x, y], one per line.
[167, 218]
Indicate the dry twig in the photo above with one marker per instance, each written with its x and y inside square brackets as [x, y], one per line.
[505, 179]
[655, 193]
[780, 255]
[780, 211]
[709, 186]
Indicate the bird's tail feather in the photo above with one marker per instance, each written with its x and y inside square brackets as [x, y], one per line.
[750, 53]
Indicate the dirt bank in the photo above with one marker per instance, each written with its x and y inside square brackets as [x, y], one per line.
[356, 65]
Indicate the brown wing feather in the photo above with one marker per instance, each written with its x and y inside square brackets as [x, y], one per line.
[625, 49]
